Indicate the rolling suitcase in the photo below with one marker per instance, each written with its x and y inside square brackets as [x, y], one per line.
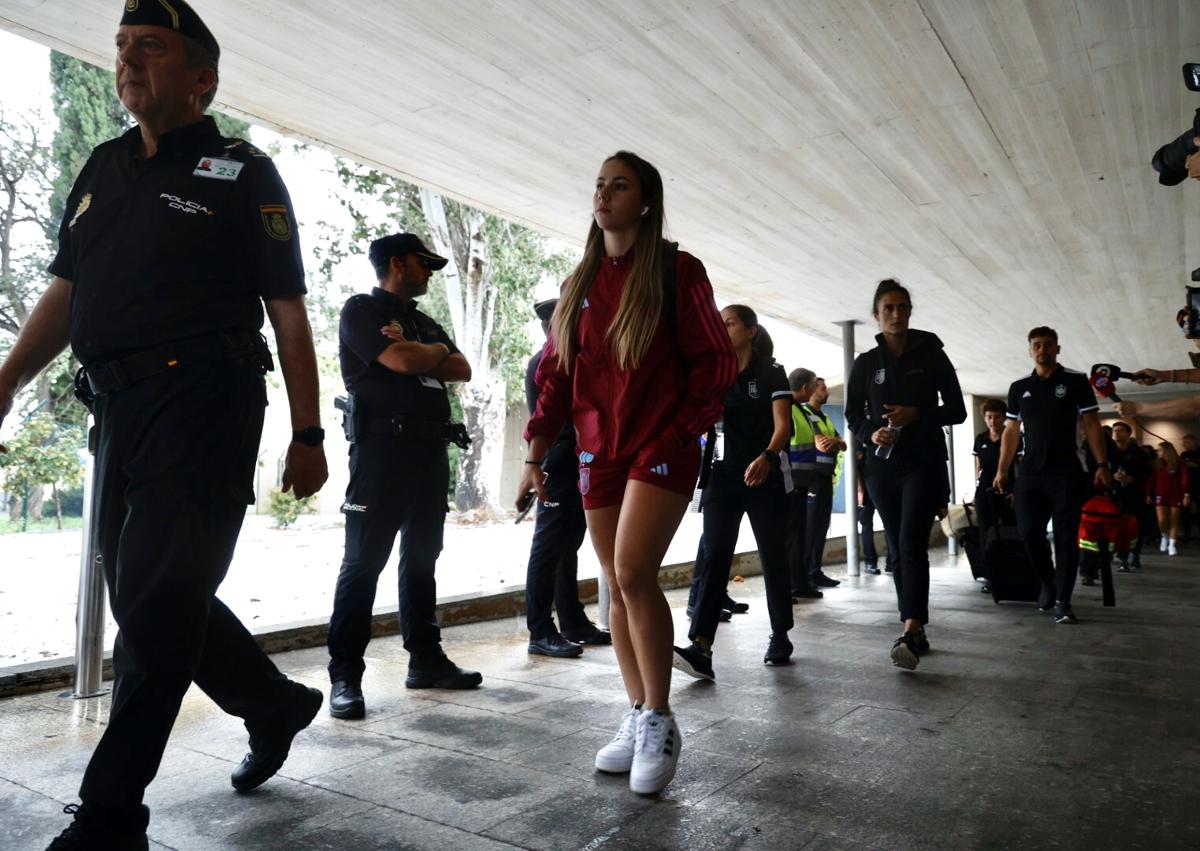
[971, 540]
[1010, 572]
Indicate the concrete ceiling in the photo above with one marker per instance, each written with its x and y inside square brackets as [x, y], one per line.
[994, 155]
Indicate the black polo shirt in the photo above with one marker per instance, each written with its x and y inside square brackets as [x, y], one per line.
[748, 422]
[380, 391]
[183, 244]
[1049, 411]
[988, 454]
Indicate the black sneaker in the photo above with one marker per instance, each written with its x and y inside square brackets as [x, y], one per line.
[592, 636]
[922, 642]
[820, 580]
[554, 645]
[1064, 614]
[872, 569]
[695, 661]
[985, 588]
[270, 743]
[734, 607]
[346, 700]
[779, 651]
[1091, 580]
[904, 652]
[439, 672]
[96, 830]
[1046, 598]
[806, 594]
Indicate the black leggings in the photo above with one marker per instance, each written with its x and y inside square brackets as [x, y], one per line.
[725, 500]
[906, 501]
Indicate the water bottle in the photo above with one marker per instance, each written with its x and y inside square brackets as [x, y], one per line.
[885, 452]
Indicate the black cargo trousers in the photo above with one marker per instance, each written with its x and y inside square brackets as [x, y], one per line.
[175, 464]
[398, 486]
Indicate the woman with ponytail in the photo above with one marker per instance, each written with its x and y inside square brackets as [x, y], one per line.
[639, 359]
[746, 480]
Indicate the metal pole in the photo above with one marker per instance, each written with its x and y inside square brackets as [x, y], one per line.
[951, 541]
[851, 454]
[92, 603]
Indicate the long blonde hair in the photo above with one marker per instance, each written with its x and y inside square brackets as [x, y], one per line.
[641, 305]
[1170, 458]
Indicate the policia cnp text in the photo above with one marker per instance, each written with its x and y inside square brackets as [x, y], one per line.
[395, 361]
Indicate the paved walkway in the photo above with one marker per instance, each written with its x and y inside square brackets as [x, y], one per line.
[1014, 733]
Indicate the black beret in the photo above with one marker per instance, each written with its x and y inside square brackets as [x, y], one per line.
[172, 15]
[545, 309]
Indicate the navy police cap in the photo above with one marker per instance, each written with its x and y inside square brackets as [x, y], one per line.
[172, 15]
[401, 245]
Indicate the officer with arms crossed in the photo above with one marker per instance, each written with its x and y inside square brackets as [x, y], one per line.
[395, 362]
[1049, 406]
[172, 240]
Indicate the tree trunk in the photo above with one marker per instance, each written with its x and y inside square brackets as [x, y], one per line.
[37, 500]
[479, 466]
[57, 506]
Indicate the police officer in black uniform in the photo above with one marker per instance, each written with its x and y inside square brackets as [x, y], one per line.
[1049, 406]
[551, 576]
[395, 362]
[172, 240]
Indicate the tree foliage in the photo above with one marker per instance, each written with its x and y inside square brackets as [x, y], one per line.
[43, 452]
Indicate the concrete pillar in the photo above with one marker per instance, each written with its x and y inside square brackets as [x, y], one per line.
[851, 466]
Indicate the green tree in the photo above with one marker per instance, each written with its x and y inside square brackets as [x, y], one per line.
[484, 298]
[43, 453]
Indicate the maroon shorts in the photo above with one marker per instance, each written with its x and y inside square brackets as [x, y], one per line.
[665, 464]
[1169, 500]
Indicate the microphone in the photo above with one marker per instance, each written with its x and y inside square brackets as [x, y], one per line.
[1104, 387]
[1110, 370]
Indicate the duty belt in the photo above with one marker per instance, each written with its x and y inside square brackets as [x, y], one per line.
[115, 375]
[400, 426]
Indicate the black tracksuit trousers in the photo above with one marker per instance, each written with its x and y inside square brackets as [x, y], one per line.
[726, 498]
[551, 576]
[175, 466]
[397, 486]
[1040, 497]
[906, 500]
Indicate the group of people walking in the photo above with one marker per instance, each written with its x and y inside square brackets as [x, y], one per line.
[163, 307]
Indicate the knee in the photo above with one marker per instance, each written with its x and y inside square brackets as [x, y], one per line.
[635, 581]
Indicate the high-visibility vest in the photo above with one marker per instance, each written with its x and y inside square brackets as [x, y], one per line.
[802, 450]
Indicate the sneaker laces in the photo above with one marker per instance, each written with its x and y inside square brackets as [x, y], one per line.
[627, 732]
[651, 733]
[67, 839]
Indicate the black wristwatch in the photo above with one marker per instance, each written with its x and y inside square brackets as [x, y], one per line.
[311, 436]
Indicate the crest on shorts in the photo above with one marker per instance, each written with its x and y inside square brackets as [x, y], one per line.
[84, 203]
[1060, 391]
[275, 221]
[880, 375]
[585, 480]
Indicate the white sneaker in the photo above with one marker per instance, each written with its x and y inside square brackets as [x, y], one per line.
[1162, 544]
[1171, 548]
[617, 756]
[655, 754]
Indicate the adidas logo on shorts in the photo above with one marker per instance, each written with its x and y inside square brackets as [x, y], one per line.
[661, 469]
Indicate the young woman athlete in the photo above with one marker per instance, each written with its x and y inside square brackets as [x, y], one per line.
[638, 357]
[899, 396]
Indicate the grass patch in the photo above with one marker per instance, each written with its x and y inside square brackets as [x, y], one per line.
[46, 524]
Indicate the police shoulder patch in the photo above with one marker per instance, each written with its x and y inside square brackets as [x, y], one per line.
[275, 221]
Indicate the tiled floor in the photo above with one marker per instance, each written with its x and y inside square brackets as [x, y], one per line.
[1013, 733]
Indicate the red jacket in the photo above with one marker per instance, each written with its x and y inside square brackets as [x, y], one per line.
[1171, 486]
[676, 394]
